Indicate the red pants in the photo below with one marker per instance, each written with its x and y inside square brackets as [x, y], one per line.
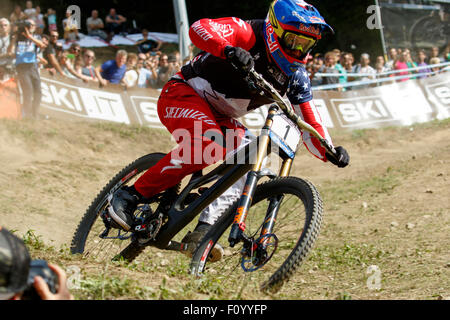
[199, 132]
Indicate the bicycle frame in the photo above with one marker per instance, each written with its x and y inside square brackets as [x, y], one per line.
[228, 174]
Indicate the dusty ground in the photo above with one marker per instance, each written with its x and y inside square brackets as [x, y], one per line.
[389, 209]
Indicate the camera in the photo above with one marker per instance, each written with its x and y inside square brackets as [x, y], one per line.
[20, 26]
[40, 268]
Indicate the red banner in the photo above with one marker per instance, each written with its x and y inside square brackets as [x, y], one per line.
[9, 100]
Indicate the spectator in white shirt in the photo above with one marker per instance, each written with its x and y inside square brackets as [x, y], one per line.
[365, 68]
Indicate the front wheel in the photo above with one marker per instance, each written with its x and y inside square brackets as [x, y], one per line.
[296, 230]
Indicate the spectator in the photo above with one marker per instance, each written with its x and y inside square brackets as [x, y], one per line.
[6, 57]
[381, 65]
[422, 57]
[112, 71]
[15, 263]
[131, 76]
[435, 61]
[365, 68]
[51, 20]
[40, 21]
[380, 69]
[330, 68]
[95, 26]
[52, 54]
[115, 23]
[17, 15]
[88, 69]
[339, 66]
[447, 53]
[70, 27]
[151, 65]
[410, 63]
[349, 60]
[73, 63]
[393, 55]
[402, 65]
[26, 47]
[317, 63]
[29, 11]
[163, 70]
[435, 54]
[147, 45]
[42, 61]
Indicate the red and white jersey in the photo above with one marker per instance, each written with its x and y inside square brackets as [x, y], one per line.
[216, 80]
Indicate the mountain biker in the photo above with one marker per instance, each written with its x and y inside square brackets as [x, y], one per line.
[209, 93]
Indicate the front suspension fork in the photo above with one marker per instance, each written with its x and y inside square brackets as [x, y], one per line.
[238, 226]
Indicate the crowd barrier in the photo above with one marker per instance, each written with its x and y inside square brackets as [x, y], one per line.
[399, 103]
[119, 40]
[380, 78]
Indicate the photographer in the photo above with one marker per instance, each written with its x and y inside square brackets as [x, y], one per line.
[16, 273]
[26, 47]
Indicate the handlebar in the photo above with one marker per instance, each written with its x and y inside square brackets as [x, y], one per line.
[258, 83]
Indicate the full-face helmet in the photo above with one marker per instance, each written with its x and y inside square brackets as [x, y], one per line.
[292, 29]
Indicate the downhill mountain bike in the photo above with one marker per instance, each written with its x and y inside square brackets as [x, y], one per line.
[273, 226]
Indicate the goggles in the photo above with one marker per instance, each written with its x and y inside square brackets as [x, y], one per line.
[297, 42]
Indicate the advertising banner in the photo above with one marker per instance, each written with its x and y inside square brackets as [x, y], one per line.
[400, 103]
[409, 25]
[9, 100]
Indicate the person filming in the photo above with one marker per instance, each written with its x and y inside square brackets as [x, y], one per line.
[26, 46]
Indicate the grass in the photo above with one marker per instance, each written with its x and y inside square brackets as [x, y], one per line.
[413, 262]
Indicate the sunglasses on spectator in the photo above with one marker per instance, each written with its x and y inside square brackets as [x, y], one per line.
[90, 57]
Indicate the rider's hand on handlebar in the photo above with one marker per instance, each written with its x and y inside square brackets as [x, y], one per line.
[341, 159]
[242, 59]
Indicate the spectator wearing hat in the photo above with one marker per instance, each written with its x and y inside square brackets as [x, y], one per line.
[15, 264]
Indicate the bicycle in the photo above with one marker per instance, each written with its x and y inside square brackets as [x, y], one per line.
[163, 216]
[433, 29]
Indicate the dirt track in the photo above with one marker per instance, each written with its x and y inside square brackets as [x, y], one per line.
[390, 208]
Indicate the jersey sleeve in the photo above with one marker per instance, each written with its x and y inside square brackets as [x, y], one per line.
[213, 35]
[301, 97]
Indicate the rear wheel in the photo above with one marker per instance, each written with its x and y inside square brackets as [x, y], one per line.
[296, 230]
[89, 240]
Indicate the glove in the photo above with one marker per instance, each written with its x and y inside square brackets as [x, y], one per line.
[241, 58]
[341, 160]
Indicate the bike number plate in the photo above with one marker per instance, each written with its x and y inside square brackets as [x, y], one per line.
[285, 134]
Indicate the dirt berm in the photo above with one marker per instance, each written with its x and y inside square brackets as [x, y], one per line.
[390, 208]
